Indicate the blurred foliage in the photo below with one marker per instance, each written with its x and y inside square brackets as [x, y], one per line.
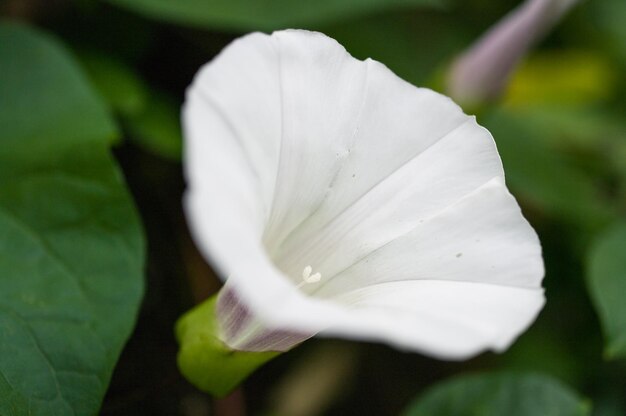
[121, 88]
[157, 127]
[565, 78]
[560, 129]
[498, 394]
[607, 285]
[607, 18]
[546, 180]
[416, 56]
[265, 15]
[151, 117]
[71, 260]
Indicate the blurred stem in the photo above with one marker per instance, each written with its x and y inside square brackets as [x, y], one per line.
[316, 380]
[232, 405]
[481, 73]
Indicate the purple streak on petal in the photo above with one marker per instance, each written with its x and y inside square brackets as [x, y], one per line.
[274, 341]
[232, 315]
[241, 330]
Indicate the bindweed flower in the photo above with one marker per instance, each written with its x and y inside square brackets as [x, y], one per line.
[334, 197]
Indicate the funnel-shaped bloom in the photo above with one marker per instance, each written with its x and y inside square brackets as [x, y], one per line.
[335, 197]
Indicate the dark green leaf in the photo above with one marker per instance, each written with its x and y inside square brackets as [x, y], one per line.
[71, 247]
[498, 394]
[265, 14]
[606, 278]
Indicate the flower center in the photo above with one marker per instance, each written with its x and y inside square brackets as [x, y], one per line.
[307, 277]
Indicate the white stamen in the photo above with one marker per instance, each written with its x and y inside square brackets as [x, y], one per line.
[306, 273]
[314, 278]
[307, 277]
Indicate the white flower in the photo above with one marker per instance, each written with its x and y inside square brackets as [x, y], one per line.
[336, 197]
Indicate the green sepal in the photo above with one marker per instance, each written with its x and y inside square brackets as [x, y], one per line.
[205, 360]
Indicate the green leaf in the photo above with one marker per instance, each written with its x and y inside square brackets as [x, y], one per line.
[606, 279]
[205, 360]
[497, 394]
[71, 246]
[120, 87]
[157, 128]
[266, 14]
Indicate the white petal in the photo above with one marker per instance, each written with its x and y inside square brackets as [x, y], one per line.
[444, 319]
[463, 281]
[322, 91]
[299, 155]
[229, 133]
[348, 125]
[448, 170]
[481, 238]
[233, 121]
